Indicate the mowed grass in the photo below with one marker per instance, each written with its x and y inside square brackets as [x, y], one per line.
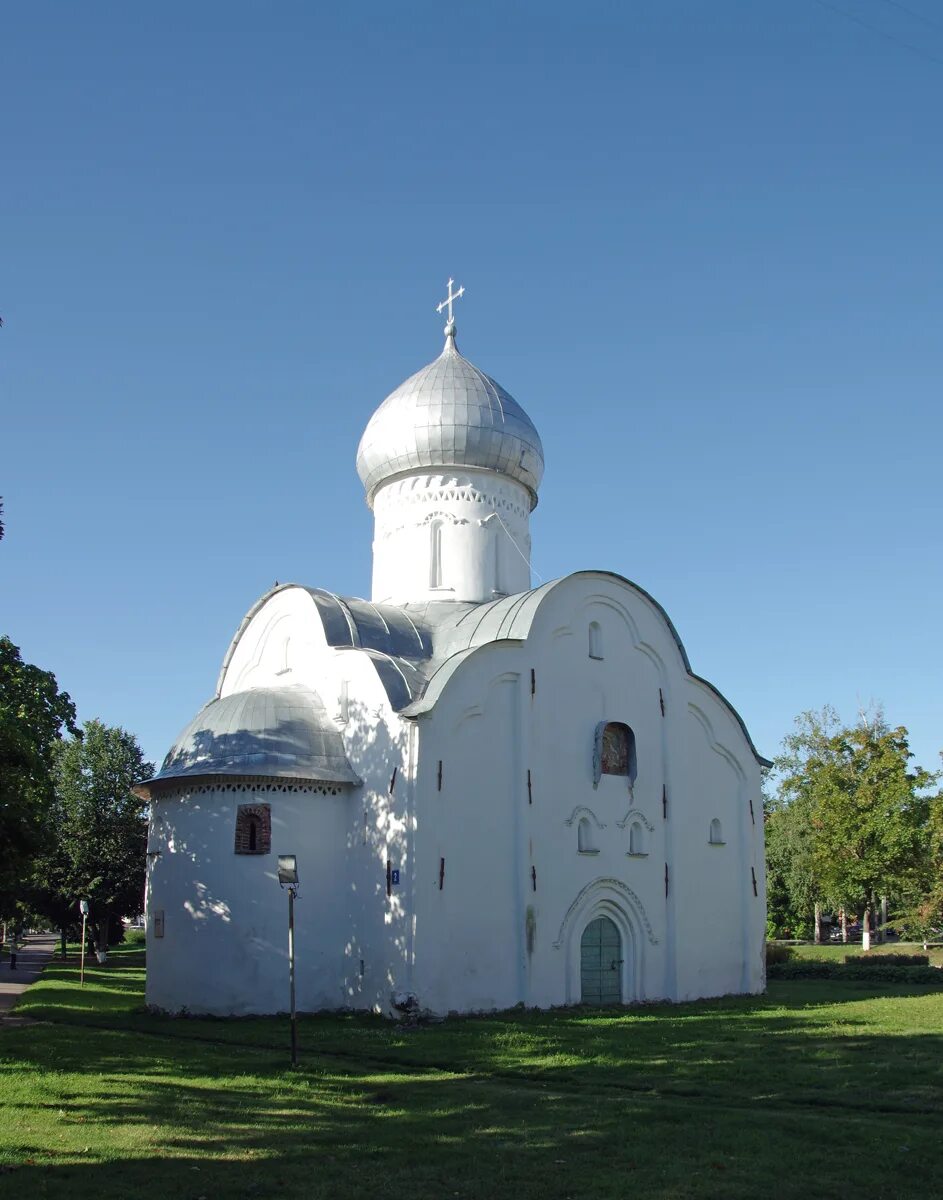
[818, 1089]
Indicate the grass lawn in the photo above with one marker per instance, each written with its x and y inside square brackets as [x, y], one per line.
[819, 1089]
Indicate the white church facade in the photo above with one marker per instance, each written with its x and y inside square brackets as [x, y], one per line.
[497, 795]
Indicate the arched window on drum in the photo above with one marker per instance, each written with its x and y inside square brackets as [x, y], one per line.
[435, 554]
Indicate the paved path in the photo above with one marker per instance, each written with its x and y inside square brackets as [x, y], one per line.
[32, 956]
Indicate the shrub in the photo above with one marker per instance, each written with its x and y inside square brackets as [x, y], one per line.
[890, 960]
[866, 970]
[777, 953]
[800, 968]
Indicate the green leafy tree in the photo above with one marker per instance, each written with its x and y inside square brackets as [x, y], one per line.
[922, 911]
[99, 829]
[33, 716]
[796, 889]
[871, 818]
[792, 892]
[850, 822]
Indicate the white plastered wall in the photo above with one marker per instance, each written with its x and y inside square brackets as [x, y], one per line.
[353, 941]
[487, 938]
[224, 946]
[456, 536]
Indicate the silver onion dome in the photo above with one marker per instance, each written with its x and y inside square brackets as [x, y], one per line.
[450, 414]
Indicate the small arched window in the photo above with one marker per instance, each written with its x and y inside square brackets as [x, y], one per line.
[717, 833]
[435, 554]
[595, 640]
[584, 837]
[636, 838]
[253, 829]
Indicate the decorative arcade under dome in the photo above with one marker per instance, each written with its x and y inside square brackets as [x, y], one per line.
[451, 465]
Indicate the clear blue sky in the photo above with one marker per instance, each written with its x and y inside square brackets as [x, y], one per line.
[701, 243]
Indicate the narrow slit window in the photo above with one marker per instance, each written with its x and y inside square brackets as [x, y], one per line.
[595, 640]
[636, 838]
[253, 829]
[435, 554]
[717, 833]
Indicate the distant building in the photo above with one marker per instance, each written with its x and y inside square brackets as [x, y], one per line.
[496, 794]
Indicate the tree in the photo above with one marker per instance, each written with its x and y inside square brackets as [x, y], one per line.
[923, 915]
[99, 828]
[795, 889]
[864, 812]
[870, 822]
[792, 891]
[33, 715]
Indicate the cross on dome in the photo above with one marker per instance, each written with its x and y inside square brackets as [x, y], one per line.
[447, 302]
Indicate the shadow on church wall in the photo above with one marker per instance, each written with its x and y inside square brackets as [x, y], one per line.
[343, 836]
[378, 834]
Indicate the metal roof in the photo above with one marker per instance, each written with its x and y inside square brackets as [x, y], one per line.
[281, 733]
[450, 414]
[415, 650]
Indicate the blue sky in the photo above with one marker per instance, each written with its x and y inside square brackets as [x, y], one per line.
[701, 247]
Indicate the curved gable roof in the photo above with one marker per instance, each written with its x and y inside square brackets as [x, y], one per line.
[511, 618]
[417, 648]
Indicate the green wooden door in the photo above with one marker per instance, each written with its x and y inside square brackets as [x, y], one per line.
[601, 963]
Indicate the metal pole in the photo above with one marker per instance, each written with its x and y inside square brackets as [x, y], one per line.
[82, 967]
[291, 975]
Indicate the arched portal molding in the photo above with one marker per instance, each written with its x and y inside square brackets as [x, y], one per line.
[607, 898]
[615, 894]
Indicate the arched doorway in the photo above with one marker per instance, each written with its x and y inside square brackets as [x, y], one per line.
[601, 963]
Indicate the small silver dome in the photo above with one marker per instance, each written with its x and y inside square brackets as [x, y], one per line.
[282, 733]
[450, 414]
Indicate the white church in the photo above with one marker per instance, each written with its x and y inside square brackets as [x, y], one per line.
[496, 794]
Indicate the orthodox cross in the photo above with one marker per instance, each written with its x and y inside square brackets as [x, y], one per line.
[448, 300]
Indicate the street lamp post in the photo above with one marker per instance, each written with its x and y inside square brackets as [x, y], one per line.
[83, 909]
[288, 877]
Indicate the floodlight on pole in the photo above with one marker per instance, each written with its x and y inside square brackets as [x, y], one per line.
[288, 870]
[288, 877]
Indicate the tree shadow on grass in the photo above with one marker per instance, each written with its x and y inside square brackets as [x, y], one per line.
[800, 1045]
[221, 1122]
